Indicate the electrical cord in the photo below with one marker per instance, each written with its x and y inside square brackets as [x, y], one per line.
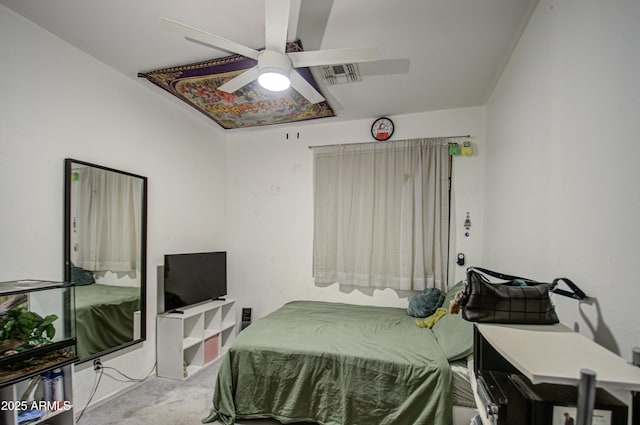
[101, 369]
[128, 378]
[93, 393]
[118, 379]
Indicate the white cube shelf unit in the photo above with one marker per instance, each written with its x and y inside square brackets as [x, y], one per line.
[195, 338]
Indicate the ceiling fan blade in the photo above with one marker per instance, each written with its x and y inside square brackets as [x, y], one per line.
[203, 37]
[240, 81]
[329, 97]
[276, 24]
[333, 57]
[303, 87]
[312, 22]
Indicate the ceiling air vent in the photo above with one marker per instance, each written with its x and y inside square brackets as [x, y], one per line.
[341, 74]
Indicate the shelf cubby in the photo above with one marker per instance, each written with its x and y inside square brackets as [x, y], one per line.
[194, 338]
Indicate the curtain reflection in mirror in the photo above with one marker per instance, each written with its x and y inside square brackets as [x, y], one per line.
[106, 220]
[105, 244]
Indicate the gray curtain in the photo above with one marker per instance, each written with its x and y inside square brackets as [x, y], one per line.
[382, 214]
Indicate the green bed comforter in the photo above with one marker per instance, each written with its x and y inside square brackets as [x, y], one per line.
[104, 316]
[331, 364]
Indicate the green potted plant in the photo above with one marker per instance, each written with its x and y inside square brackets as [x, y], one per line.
[21, 330]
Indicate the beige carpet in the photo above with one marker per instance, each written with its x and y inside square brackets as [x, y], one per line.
[162, 401]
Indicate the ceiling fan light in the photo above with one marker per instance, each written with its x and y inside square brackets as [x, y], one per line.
[274, 80]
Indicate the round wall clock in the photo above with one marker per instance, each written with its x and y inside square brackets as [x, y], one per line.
[382, 129]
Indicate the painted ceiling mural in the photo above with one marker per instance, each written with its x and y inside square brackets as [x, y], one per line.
[250, 106]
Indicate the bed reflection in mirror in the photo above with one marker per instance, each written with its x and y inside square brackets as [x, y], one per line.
[105, 256]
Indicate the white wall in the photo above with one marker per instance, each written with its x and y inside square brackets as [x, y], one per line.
[562, 162]
[57, 102]
[560, 156]
[270, 205]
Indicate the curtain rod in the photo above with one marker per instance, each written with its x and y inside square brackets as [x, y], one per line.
[366, 143]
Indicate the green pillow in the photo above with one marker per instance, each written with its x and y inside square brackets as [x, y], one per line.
[454, 334]
[425, 303]
[80, 276]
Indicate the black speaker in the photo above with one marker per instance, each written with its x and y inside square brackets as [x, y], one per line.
[246, 317]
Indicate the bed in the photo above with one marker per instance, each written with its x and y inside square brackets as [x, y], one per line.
[341, 364]
[104, 316]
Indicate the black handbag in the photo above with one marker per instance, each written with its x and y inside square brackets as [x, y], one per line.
[517, 300]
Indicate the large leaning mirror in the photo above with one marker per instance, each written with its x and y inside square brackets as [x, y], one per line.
[105, 256]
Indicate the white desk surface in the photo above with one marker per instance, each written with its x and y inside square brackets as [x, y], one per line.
[555, 354]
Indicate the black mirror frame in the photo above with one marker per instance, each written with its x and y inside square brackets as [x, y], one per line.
[143, 248]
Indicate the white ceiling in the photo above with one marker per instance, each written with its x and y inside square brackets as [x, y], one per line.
[456, 49]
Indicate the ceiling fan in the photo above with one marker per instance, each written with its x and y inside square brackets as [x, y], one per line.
[275, 70]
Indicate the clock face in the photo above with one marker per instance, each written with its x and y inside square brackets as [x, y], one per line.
[382, 129]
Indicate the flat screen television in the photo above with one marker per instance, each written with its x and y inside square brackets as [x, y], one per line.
[193, 278]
